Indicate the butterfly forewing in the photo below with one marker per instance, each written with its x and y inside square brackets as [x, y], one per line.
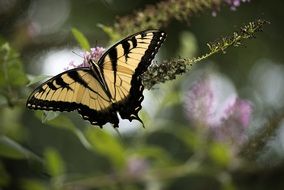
[130, 58]
[122, 66]
[68, 91]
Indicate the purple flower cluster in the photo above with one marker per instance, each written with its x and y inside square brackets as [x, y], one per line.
[235, 3]
[94, 55]
[199, 102]
[226, 118]
[234, 123]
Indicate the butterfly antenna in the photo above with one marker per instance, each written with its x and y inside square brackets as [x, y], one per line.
[77, 54]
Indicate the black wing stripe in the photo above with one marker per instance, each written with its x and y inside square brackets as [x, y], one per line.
[76, 77]
[113, 58]
[51, 86]
[143, 34]
[126, 46]
[134, 42]
[61, 83]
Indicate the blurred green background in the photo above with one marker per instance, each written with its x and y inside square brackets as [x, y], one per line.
[192, 140]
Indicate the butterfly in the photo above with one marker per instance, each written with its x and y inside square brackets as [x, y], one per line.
[110, 86]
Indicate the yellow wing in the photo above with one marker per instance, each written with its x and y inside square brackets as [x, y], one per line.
[113, 85]
[128, 59]
[122, 66]
[75, 89]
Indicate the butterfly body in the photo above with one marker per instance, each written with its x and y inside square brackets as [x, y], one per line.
[112, 85]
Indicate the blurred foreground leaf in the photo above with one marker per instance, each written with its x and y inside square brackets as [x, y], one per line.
[156, 153]
[54, 163]
[220, 154]
[58, 120]
[4, 176]
[29, 184]
[49, 116]
[13, 150]
[114, 36]
[81, 39]
[11, 72]
[107, 145]
[36, 79]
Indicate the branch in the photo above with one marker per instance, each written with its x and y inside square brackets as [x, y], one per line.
[158, 16]
[170, 69]
[252, 148]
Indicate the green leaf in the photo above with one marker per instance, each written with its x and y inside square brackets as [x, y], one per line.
[54, 163]
[11, 149]
[220, 154]
[12, 72]
[28, 184]
[58, 120]
[3, 100]
[46, 116]
[153, 152]
[64, 122]
[16, 74]
[81, 39]
[106, 145]
[188, 47]
[109, 31]
[5, 178]
[173, 98]
[49, 116]
[36, 79]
